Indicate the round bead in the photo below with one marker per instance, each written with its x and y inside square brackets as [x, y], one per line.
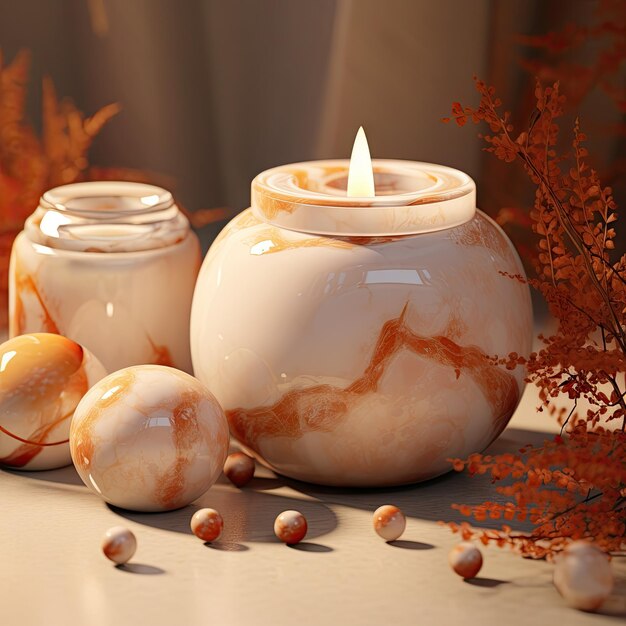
[149, 438]
[239, 468]
[290, 527]
[119, 544]
[207, 524]
[583, 576]
[389, 522]
[42, 379]
[465, 559]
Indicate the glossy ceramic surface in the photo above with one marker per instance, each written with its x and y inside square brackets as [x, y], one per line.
[112, 266]
[149, 438]
[42, 379]
[361, 360]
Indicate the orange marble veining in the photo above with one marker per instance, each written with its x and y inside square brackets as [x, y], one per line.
[25, 283]
[186, 433]
[31, 447]
[279, 243]
[245, 219]
[479, 232]
[162, 355]
[82, 432]
[320, 407]
[44, 378]
[112, 550]
[456, 326]
[149, 438]
[373, 240]
[272, 202]
[287, 201]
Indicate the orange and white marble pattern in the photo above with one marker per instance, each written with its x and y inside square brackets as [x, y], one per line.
[42, 379]
[127, 308]
[465, 559]
[311, 197]
[108, 271]
[149, 438]
[364, 364]
[290, 527]
[207, 524]
[119, 544]
[389, 522]
[239, 469]
[351, 340]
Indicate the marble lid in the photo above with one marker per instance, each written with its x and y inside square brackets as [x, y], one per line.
[411, 197]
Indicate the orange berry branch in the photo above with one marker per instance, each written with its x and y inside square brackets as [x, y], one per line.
[574, 486]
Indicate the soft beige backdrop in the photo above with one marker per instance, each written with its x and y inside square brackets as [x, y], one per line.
[214, 91]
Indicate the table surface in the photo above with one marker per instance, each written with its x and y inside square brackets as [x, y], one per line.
[53, 573]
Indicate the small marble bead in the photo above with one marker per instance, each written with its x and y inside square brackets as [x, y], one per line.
[389, 522]
[465, 559]
[119, 544]
[583, 576]
[207, 524]
[239, 468]
[290, 527]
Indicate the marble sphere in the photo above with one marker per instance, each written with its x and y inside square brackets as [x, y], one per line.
[42, 379]
[149, 438]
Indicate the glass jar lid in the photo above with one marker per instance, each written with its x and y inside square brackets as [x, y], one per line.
[107, 216]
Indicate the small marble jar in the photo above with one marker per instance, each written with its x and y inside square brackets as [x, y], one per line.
[349, 340]
[111, 265]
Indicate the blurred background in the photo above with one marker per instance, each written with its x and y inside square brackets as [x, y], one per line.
[214, 91]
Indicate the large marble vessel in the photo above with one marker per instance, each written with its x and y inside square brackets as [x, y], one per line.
[350, 341]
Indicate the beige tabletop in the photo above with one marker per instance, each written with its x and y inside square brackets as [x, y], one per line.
[53, 573]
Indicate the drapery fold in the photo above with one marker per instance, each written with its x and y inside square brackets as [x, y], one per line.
[215, 91]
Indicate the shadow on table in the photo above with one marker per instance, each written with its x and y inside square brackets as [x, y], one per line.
[65, 475]
[489, 583]
[410, 545]
[140, 568]
[248, 516]
[308, 546]
[430, 500]
[250, 512]
[615, 605]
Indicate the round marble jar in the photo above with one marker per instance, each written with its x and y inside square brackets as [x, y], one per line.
[348, 339]
[111, 265]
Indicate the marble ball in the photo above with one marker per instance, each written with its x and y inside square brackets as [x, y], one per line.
[149, 438]
[207, 524]
[389, 522]
[465, 559]
[583, 575]
[119, 544]
[42, 379]
[290, 527]
[239, 468]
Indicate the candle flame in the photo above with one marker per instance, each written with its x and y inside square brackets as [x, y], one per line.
[361, 173]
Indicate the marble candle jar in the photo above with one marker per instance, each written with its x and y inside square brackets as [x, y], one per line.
[110, 265]
[348, 339]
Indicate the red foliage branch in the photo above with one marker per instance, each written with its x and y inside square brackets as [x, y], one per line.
[603, 37]
[29, 165]
[574, 486]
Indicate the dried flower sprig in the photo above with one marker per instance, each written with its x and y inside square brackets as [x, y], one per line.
[574, 486]
[30, 165]
[603, 38]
